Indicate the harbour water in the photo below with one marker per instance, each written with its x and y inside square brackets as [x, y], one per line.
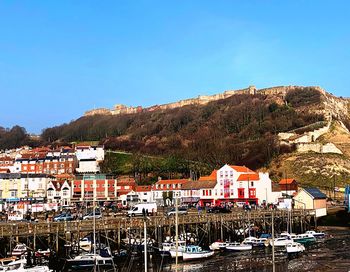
[331, 254]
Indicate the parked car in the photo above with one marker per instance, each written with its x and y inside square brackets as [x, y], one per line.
[63, 217]
[172, 211]
[91, 215]
[218, 209]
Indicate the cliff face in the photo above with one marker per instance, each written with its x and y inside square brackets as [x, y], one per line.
[200, 100]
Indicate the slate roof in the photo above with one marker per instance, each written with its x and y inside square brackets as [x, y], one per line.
[315, 193]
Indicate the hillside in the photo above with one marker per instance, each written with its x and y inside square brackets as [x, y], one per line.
[242, 128]
[324, 170]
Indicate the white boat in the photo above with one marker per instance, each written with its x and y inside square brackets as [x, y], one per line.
[250, 240]
[316, 234]
[21, 266]
[180, 249]
[85, 244]
[235, 246]
[280, 241]
[19, 250]
[89, 260]
[166, 246]
[294, 247]
[42, 253]
[304, 238]
[259, 242]
[196, 253]
[218, 245]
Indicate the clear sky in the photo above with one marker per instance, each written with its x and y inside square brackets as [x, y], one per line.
[61, 58]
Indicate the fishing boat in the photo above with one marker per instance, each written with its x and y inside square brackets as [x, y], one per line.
[180, 249]
[235, 246]
[19, 250]
[304, 238]
[42, 253]
[196, 253]
[294, 247]
[88, 261]
[316, 234]
[218, 245]
[259, 242]
[21, 266]
[280, 241]
[250, 240]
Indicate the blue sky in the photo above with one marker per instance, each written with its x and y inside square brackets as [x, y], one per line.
[61, 58]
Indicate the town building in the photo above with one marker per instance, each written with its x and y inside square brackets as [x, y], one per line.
[164, 192]
[288, 186]
[89, 158]
[94, 186]
[231, 184]
[60, 192]
[311, 198]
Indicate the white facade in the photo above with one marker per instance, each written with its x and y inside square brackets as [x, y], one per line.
[88, 166]
[90, 152]
[34, 186]
[58, 192]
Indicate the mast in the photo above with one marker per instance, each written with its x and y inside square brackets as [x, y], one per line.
[273, 242]
[145, 236]
[94, 220]
[176, 232]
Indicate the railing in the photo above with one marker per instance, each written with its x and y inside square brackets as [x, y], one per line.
[13, 228]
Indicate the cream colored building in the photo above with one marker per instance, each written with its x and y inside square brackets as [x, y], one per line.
[311, 198]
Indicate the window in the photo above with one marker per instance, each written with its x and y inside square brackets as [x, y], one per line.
[49, 193]
[221, 174]
[14, 193]
[221, 192]
[231, 174]
[252, 183]
[40, 185]
[168, 186]
[26, 186]
[226, 174]
[24, 167]
[252, 193]
[65, 192]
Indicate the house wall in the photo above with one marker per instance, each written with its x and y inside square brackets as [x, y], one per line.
[302, 197]
[320, 203]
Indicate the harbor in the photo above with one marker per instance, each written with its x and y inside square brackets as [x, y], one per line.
[123, 239]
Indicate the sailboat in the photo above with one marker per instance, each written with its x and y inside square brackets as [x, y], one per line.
[22, 265]
[103, 259]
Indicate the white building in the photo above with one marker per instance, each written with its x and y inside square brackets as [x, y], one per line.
[88, 166]
[59, 192]
[164, 191]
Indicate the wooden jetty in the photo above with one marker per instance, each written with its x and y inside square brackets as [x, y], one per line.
[211, 226]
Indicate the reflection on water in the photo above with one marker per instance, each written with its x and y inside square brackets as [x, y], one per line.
[332, 254]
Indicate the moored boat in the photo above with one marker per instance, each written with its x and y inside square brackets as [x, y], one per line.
[250, 240]
[21, 266]
[316, 234]
[235, 246]
[196, 253]
[218, 245]
[180, 249]
[294, 247]
[280, 241]
[19, 250]
[304, 238]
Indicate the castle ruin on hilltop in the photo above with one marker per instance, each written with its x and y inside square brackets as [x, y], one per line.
[200, 100]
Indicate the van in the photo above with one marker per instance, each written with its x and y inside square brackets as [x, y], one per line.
[150, 208]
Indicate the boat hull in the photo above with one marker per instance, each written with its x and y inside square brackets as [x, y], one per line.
[197, 256]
